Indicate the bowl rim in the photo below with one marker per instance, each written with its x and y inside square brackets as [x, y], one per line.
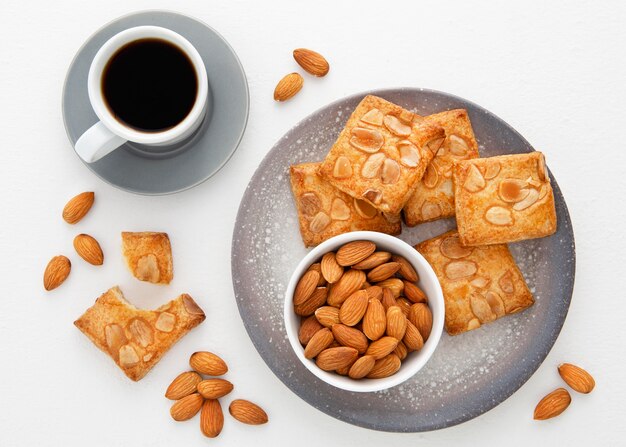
[409, 369]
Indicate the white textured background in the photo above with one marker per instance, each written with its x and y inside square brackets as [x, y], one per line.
[554, 70]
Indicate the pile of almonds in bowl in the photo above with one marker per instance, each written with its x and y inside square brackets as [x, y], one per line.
[357, 312]
[193, 393]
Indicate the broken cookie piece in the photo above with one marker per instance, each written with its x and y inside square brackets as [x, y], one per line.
[136, 339]
[148, 256]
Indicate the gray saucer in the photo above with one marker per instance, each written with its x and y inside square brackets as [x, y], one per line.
[174, 168]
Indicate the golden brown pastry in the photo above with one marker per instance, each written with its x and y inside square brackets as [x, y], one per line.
[480, 284]
[136, 339]
[433, 195]
[503, 199]
[381, 154]
[324, 211]
[148, 256]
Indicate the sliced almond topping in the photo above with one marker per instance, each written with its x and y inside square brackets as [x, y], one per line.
[365, 209]
[474, 181]
[367, 140]
[431, 178]
[373, 195]
[319, 222]
[409, 155]
[391, 172]
[506, 283]
[310, 204]
[115, 338]
[435, 145]
[431, 210]
[542, 170]
[165, 322]
[480, 282]
[147, 357]
[372, 165]
[147, 268]
[406, 116]
[392, 218]
[529, 200]
[396, 126]
[532, 182]
[460, 269]
[512, 190]
[498, 215]
[339, 210]
[473, 324]
[128, 356]
[141, 332]
[496, 303]
[373, 117]
[543, 192]
[492, 169]
[343, 168]
[480, 308]
[457, 145]
[451, 248]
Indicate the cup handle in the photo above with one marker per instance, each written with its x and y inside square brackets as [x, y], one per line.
[97, 142]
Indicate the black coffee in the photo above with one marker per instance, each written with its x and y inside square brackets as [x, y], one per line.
[150, 85]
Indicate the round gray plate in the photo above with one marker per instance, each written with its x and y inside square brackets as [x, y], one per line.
[175, 168]
[469, 374]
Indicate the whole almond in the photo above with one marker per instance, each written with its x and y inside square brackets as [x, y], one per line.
[372, 261]
[78, 207]
[552, 405]
[422, 318]
[318, 268]
[401, 350]
[311, 61]
[57, 271]
[414, 293]
[208, 363]
[354, 252]
[349, 336]
[412, 338]
[89, 249]
[362, 367]
[335, 358]
[382, 347]
[388, 299]
[374, 292]
[288, 86]
[396, 322]
[305, 287]
[331, 271]
[577, 378]
[187, 407]
[327, 316]
[308, 328]
[374, 320]
[385, 367]
[383, 271]
[406, 270]
[211, 418]
[247, 412]
[183, 385]
[394, 284]
[350, 282]
[320, 341]
[353, 308]
[214, 388]
[316, 300]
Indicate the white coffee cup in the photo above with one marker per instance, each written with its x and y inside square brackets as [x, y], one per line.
[109, 133]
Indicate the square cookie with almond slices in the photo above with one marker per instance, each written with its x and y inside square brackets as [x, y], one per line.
[503, 199]
[381, 154]
[433, 195]
[480, 284]
[324, 211]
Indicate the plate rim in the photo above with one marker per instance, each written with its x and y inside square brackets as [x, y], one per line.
[469, 415]
[238, 139]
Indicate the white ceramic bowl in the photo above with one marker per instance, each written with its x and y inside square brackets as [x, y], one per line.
[428, 283]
